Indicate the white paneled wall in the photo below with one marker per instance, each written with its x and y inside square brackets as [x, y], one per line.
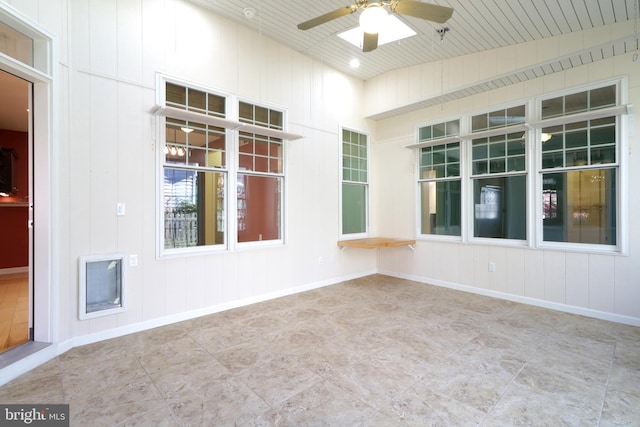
[110, 52]
[594, 284]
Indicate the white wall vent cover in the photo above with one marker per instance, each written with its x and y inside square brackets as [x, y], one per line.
[102, 280]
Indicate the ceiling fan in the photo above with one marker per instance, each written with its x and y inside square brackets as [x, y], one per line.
[373, 13]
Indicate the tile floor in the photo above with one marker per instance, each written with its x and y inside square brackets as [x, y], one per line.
[375, 351]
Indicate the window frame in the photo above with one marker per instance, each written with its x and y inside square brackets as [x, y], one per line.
[471, 178]
[434, 142]
[366, 185]
[256, 130]
[232, 126]
[619, 112]
[532, 129]
[161, 143]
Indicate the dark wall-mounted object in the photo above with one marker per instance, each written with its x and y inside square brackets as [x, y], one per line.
[7, 156]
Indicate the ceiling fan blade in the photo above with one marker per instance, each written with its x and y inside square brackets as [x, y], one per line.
[430, 12]
[327, 17]
[369, 42]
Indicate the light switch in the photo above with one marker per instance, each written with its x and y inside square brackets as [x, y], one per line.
[120, 209]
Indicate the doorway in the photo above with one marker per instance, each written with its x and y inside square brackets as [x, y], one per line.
[28, 56]
[16, 288]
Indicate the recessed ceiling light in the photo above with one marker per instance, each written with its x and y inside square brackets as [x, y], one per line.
[393, 30]
[354, 63]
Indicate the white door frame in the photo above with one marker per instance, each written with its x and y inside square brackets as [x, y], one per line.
[43, 266]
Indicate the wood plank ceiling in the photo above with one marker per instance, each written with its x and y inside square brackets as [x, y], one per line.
[476, 26]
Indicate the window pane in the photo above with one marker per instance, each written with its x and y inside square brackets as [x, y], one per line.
[440, 208]
[354, 211]
[354, 156]
[515, 115]
[176, 94]
[603, 97]
[16, 45]
[479, 122]
[500, 207]
[580, 206]
[575, 103]
[217, 104]
[194, 213]
[259, 208]
[197, 100]
[552, 107]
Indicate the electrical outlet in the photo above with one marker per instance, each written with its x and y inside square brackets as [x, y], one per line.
[320, 260]
[492, 267]
[133, 260]
[120, 209]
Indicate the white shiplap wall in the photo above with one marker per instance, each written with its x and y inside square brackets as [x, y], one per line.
[106, 154]
[592, 284]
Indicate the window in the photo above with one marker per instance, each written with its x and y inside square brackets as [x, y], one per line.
[439, 180]
[499, 175]
[194, 171]
[355, 182]
[580, 169]
[208, 151]
[260, 177]
[477, 177]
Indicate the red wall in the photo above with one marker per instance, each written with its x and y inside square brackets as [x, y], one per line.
[14, 234]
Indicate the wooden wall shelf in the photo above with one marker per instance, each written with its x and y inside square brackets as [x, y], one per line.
[375, 242]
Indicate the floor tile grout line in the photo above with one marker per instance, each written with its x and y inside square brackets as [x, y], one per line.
[606, 387]
[503, 393]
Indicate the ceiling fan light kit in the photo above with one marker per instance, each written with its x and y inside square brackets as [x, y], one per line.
[375, 14]
[373, 18]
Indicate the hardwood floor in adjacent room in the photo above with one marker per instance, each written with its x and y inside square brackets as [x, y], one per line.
[14, 310]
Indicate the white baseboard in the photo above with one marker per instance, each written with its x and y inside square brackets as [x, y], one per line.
[180, 317]
[603, 315]
[32, 361]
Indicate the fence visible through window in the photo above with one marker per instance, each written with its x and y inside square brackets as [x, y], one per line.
[180, 229]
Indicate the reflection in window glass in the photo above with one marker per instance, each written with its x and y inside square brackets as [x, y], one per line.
[580, 206]
[500, 207]
[498, 119]
[579, 102]
[194, 208]
[259, 207]
[439, 130]
[354, 208]
[440, 186]
[440, 209]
